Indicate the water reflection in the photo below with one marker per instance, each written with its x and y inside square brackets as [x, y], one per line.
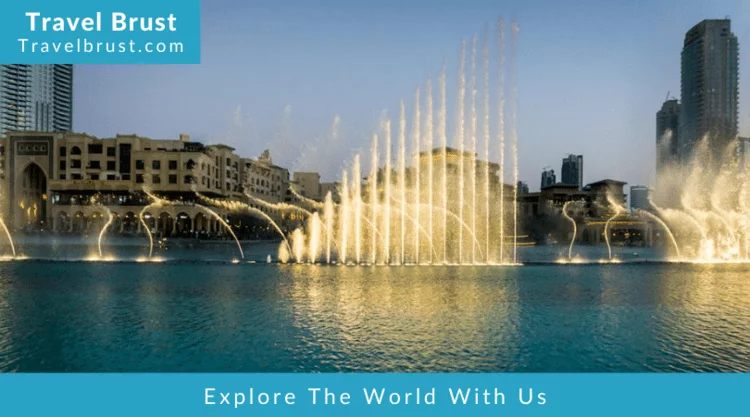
[310, 318]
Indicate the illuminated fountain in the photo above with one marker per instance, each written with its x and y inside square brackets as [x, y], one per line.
[705, 204]
[422, 204]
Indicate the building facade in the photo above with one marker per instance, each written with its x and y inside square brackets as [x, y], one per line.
[548, 178]
[572, 170]
[667, 135]
[640, 197]
[709, 84]
[70, 182]
[36, 98]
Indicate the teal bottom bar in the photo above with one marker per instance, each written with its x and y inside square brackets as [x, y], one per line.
[548, 395]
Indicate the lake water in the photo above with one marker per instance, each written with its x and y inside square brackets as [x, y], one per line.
[198, 312]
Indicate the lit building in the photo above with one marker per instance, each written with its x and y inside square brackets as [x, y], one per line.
[548, 178]
[710, 93]
[263, 180]
[67, 182]
[36, 98]
[640, 196]
[572, 170]
[667, 134]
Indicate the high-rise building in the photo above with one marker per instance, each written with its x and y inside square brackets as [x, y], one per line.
[710, 94]
[640, 196]
[523, 188]
[744, 153]
[667, 134]
[36, 97]
[572, 170]
[548, 178]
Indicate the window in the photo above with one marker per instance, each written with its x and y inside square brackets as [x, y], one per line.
[139, 178]
[75, 163]
[229, 162]
[95, 149]
[156, 179]
[156, 164]
[111, 151]
[126, 177]
[62, 176]
[77, 177]
[111, 165]
[95, 165]
[94, 176]
[63, 151]
[111, 177]
[172, 179]
[62, 165]
[139, 164]
[172, 165]
[75, 150]
[189, 179]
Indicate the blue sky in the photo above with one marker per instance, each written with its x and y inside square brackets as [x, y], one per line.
[274, 74]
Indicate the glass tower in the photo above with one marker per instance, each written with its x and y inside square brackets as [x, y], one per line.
[36, 97]
[710, 94]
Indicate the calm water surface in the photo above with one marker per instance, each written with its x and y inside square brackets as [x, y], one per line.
[193, 316]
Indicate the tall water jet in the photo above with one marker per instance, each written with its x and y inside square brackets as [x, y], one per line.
[226, 225]
[618, 210]
[236, 206]
[110, 219]
[461, 126]
[442, 115]
[575, 227]
[486, 134]
[344, 219]
[374, 199]
[10, 238]
[501, 128]
[328, 213]
[298, 243]
[416, 127]
[357, 195]
[387, 195]
[514, 132]
[430, 165]
[666, 229]
[473, 146]
[314, 237]
[402, 177]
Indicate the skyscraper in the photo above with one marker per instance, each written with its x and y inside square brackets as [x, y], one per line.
[640, 196]
[667, 134]
[710, 94]
[548, 177]
[36, 97]
[572, 170]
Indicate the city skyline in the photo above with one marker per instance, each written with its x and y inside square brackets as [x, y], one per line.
[613, 97]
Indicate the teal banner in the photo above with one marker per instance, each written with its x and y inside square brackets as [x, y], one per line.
[100, 32]
[540, 395]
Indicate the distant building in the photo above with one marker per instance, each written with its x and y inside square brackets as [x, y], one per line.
[548, 178]
[640, 196]
[36, 97]
[744, 155]
[710, 93]
[572, 170]
[330, 187]
[523, 188]
[667, 134]
[307, 184]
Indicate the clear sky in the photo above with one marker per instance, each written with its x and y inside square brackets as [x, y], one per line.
[275, 74]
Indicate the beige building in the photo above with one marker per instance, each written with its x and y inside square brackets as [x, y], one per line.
[307, 184]
[69, 182]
